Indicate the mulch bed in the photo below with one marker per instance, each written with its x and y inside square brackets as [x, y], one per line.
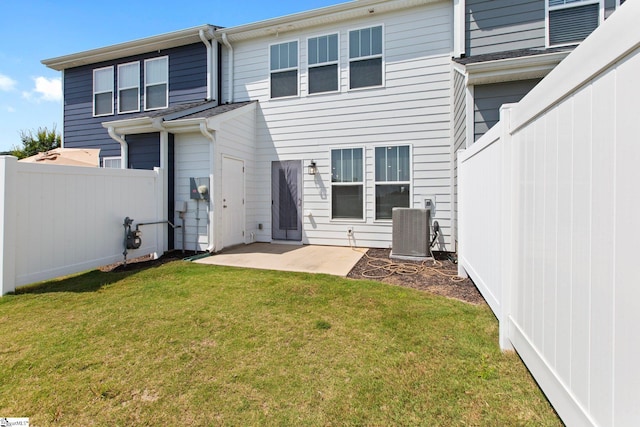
[439, 277]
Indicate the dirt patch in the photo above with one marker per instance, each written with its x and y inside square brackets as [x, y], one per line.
[438, 277]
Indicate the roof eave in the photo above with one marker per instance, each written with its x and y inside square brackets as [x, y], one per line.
[510, 69]
[135, 47]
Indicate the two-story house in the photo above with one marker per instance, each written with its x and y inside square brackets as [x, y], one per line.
[306, 128]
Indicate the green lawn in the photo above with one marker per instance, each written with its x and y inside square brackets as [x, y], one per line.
[188, 344]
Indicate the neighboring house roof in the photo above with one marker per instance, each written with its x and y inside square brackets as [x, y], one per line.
[135, 47]
[89, 157]
[512, 65]
[179, 118]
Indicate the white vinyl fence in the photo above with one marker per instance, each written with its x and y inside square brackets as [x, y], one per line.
[550, 227]
[58, 220]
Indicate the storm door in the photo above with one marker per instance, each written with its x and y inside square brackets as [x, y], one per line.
[286, 200]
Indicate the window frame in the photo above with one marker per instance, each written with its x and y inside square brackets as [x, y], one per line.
[166, 82]
[104, 159]
[111, 67]
[322, 64]
[573, 4]
[129, 87]
[376, 182]
[282, 70]
[362, 184]
[381, 55]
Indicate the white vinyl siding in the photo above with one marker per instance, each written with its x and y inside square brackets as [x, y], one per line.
[413, 108]
[571, 21]
[347, 183]
[129, 87]
[392, 179]
[323, 64]
[365, 57]
[112, 162]
[283, 60]
[103, 91]
[156, 83]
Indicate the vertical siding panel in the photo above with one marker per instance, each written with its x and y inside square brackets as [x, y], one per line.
[564, 233]
[602, 258]
[538, 209]
[580, 319]
[550, 245]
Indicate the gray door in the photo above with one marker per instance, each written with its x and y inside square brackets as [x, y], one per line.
[286, 200]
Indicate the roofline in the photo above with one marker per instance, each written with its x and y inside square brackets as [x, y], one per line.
[316, 17]
[509, 69]
[134, 47]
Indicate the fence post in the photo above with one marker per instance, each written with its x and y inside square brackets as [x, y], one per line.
[161, 229]
[8, 180]
[507, 182]
[461, 217]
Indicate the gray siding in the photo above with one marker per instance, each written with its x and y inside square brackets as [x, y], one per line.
[187, 83]
[459, 136]
[489, 98]
[501, 25]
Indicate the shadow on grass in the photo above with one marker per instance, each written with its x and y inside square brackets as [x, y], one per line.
[94, 280]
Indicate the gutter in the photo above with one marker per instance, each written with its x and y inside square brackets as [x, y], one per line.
[228, 45]
[124, 147]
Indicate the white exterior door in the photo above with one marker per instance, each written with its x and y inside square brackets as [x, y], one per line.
[232, 201]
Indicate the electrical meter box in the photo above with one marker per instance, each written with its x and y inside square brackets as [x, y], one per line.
[199, 188]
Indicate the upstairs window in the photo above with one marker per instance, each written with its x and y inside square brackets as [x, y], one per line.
[393, 179]
[323, 63]
[103, 91]
[129, 87]
[571, 21]
[347, 184]
[365, 57]
[283, 59]
[156, 83]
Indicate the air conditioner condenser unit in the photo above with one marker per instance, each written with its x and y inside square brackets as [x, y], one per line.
[410, 233]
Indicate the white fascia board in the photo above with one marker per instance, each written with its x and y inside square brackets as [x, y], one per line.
[131, 126]
[212, 123]
[522, 68]
[316, 17]
[135, 47]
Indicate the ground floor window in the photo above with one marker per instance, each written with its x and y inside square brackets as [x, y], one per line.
[347, 184]
[112, 162]
[393, 179]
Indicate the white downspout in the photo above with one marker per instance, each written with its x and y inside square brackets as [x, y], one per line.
[204, 130]
[207, 43]
[124, 147]
[230, 77]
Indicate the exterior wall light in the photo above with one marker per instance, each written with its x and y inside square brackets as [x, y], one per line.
[313, 169]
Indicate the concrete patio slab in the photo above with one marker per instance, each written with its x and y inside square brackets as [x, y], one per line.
[334, 260]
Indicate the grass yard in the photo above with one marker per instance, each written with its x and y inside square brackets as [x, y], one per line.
[188, 344]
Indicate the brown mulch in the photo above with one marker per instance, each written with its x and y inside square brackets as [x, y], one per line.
[438, 277]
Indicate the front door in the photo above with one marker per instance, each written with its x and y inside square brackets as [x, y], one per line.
[232, 201]
[286, 200]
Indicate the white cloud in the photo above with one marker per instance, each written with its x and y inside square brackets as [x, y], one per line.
[7, 83]
[45, 89]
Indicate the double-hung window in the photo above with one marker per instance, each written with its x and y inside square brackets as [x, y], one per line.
[129, 87]
[365, 57]
[112, 162]
[103, 91]
[571, 21]
[156, 83]
[283, 60]
[323, 63]
[347, 184]
[393, 179]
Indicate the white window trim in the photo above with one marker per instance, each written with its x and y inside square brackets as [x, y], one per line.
[376, 182]
[363, 183]
[104, 159]
[548, 8]
[360, 58]
[337, 62]
[166, 103]
[95, 93]
[128, 87]
[297, 68]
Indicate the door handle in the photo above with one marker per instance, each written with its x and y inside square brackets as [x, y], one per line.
[224, 206]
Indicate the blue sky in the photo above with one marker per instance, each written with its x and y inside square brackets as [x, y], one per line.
[30, 93]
